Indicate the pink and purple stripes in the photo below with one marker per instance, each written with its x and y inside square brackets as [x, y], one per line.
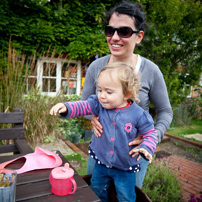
[149, 139]
[80, 108]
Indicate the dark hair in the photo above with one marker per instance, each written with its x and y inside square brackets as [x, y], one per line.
[134, 10]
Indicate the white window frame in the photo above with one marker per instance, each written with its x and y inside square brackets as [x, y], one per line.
[59, 63]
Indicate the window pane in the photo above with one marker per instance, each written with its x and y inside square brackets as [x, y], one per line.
[49, 85]
[69, 70]
[64, 86]
[73, 71]
[52, 85]
[68, 87]
[45, 85]
[30, 83]
[65, 72]
[49, 69]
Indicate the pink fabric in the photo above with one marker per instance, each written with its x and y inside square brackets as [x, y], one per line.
[40, 159]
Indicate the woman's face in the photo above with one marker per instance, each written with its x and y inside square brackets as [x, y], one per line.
[123, 47]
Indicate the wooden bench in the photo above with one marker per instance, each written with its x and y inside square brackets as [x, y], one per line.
[15, 133]
[140, 195]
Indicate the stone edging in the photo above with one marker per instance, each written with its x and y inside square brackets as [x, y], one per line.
[185, 140]
[76, 149]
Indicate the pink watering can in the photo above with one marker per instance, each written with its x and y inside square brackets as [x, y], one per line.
[61, 179]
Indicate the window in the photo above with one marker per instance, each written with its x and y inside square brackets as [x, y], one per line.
[56, 75]
[69, 78]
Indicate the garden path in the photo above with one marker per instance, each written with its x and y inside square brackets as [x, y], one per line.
[196, 136]
[58, 144]
[189, 174]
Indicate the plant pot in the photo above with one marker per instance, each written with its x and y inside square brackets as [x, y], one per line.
[74, 138]
[88, 135]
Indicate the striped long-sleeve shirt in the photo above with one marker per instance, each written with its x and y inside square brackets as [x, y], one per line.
[120, 126]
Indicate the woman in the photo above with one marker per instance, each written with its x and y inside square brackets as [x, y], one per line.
[124, 31]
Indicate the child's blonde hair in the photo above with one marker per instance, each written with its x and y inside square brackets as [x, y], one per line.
[130, 80]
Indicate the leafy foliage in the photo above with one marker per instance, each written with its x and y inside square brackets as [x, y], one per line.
[174, 43]
[173, 39]
[73, 27]
[198, 99]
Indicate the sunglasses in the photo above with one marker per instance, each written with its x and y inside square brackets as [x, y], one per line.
[123, 32]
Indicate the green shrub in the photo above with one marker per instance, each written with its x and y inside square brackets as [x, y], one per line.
[71, 128]
[39, 124]
[184, 113]
[198, 100]
[161, 183]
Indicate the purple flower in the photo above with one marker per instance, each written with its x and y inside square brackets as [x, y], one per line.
[97, 56]
[187, 181]
[164, 163]
[201, 196]
[178, 167]
[191, 196]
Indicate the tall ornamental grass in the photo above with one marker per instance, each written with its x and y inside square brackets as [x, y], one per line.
[15, 68]
[12, 84]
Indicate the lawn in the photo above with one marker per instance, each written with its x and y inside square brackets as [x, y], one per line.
[193, 128]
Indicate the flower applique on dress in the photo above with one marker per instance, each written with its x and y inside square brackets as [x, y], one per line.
[128, 127]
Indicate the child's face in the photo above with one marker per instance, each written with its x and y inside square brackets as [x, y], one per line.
[110, 92]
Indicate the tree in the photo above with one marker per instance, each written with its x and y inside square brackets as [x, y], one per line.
[174, 43]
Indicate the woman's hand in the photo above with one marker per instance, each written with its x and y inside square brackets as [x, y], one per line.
[137, 141]
[58, 108]
[97, 126]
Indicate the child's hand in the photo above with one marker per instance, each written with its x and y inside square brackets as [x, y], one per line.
[58, 108]
[143, 151]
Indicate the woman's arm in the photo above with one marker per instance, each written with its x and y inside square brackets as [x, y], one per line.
[90, 83]
[159, 98]
[89, 87]
[154, 90]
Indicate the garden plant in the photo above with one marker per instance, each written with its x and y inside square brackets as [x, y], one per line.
[161, 183]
